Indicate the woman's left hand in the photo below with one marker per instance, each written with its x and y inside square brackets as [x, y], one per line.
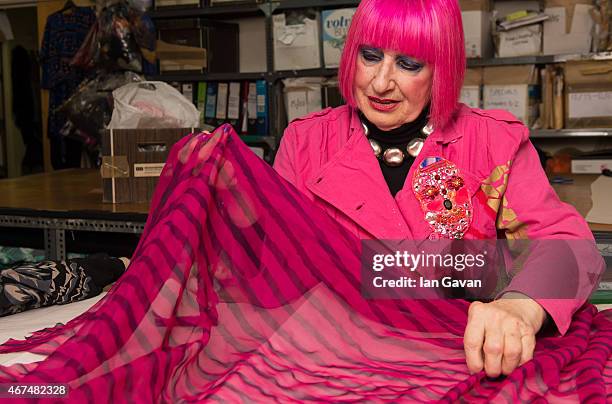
[500, 335]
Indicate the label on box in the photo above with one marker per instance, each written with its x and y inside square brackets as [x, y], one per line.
[296, 46]
[512, 98]
[593, 166]
[590, 105]
[335, 27]
[470, 96]
[297, 104]
[523, 41]
[148, 169]
[114, 166]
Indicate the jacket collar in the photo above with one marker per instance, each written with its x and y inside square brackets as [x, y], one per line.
[353, 183]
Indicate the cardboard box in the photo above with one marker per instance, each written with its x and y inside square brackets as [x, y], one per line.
[335, 27]
[218, 39]
[590, 166]
[132, 160]
[524, 41]
[176, 3]
[588, 94]
[179, 58]
[471, 90]
[512, 88]
[569, 28]
[302, 96]
[296, 42]
[475, 17]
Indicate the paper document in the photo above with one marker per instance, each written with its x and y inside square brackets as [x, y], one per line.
[601, 194]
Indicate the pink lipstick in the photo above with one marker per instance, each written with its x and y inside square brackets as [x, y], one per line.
[382, 104]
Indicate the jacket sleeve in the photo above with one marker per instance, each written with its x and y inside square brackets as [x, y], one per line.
[562, 266]
[285, 160]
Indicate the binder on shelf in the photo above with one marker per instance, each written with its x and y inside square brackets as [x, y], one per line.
[244, 104]
[187, 90]
[233, 105]
[262, 108]
[210, 111]
[201, 100]
[252, 108]
[222, 93]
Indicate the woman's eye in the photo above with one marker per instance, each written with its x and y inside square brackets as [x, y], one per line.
[371, 55]
[409, 65]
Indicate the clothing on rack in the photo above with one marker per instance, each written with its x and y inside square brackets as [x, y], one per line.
[26, 111]
[64, 33]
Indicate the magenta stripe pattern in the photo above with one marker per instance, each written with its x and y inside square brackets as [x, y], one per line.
[242, 290]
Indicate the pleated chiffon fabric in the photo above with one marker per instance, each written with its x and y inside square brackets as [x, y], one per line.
[241, 290]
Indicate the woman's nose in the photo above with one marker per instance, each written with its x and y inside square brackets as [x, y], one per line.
[383, 79]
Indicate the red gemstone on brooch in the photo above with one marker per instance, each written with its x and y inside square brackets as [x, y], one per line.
[443, 196]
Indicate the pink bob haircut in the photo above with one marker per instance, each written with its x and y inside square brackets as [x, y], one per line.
[427, 30]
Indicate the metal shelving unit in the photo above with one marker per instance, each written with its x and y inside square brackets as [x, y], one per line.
[265, 9]
[520, 60]
[259, 140]
[210, 77]
[289, 4]
[570, 133]
[237, 10]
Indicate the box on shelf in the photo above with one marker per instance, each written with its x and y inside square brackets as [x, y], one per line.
[475, 15]
[219, 39]
[302, 96]
[551, 112]
[132, 160]
[253, 52]
[524, 41]
[470, 92]
[330, 93]
[512, 88]
[335, 27]
[296, 41]
[591, 165]
[176, 3]
[179, 58]
[588, 94]
[232, 2]
[569, 28]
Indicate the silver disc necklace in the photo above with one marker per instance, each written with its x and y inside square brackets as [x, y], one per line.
[394, 156]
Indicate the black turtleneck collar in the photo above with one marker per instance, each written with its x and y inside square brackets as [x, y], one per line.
[399, 135]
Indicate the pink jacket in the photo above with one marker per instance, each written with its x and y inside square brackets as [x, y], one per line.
[327, 156]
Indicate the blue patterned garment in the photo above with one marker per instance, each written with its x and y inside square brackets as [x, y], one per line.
[63, 36]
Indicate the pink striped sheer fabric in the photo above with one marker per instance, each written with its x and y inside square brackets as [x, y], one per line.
[241, 290]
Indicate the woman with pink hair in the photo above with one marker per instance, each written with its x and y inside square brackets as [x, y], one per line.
[250, 286]
[401, 73]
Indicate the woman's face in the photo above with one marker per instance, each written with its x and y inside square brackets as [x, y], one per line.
[390, 88]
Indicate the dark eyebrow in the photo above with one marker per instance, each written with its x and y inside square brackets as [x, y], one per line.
[410, 58]
[369, 47]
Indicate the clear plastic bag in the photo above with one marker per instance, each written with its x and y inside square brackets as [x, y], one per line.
[89, 109]
[152, 104]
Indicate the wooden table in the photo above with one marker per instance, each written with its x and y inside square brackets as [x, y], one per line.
[65, 200]
[72, 200]
[62, 191]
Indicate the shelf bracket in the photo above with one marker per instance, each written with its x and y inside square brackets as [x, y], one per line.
[268, 8]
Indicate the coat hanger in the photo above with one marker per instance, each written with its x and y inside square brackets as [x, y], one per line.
[69, 5]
